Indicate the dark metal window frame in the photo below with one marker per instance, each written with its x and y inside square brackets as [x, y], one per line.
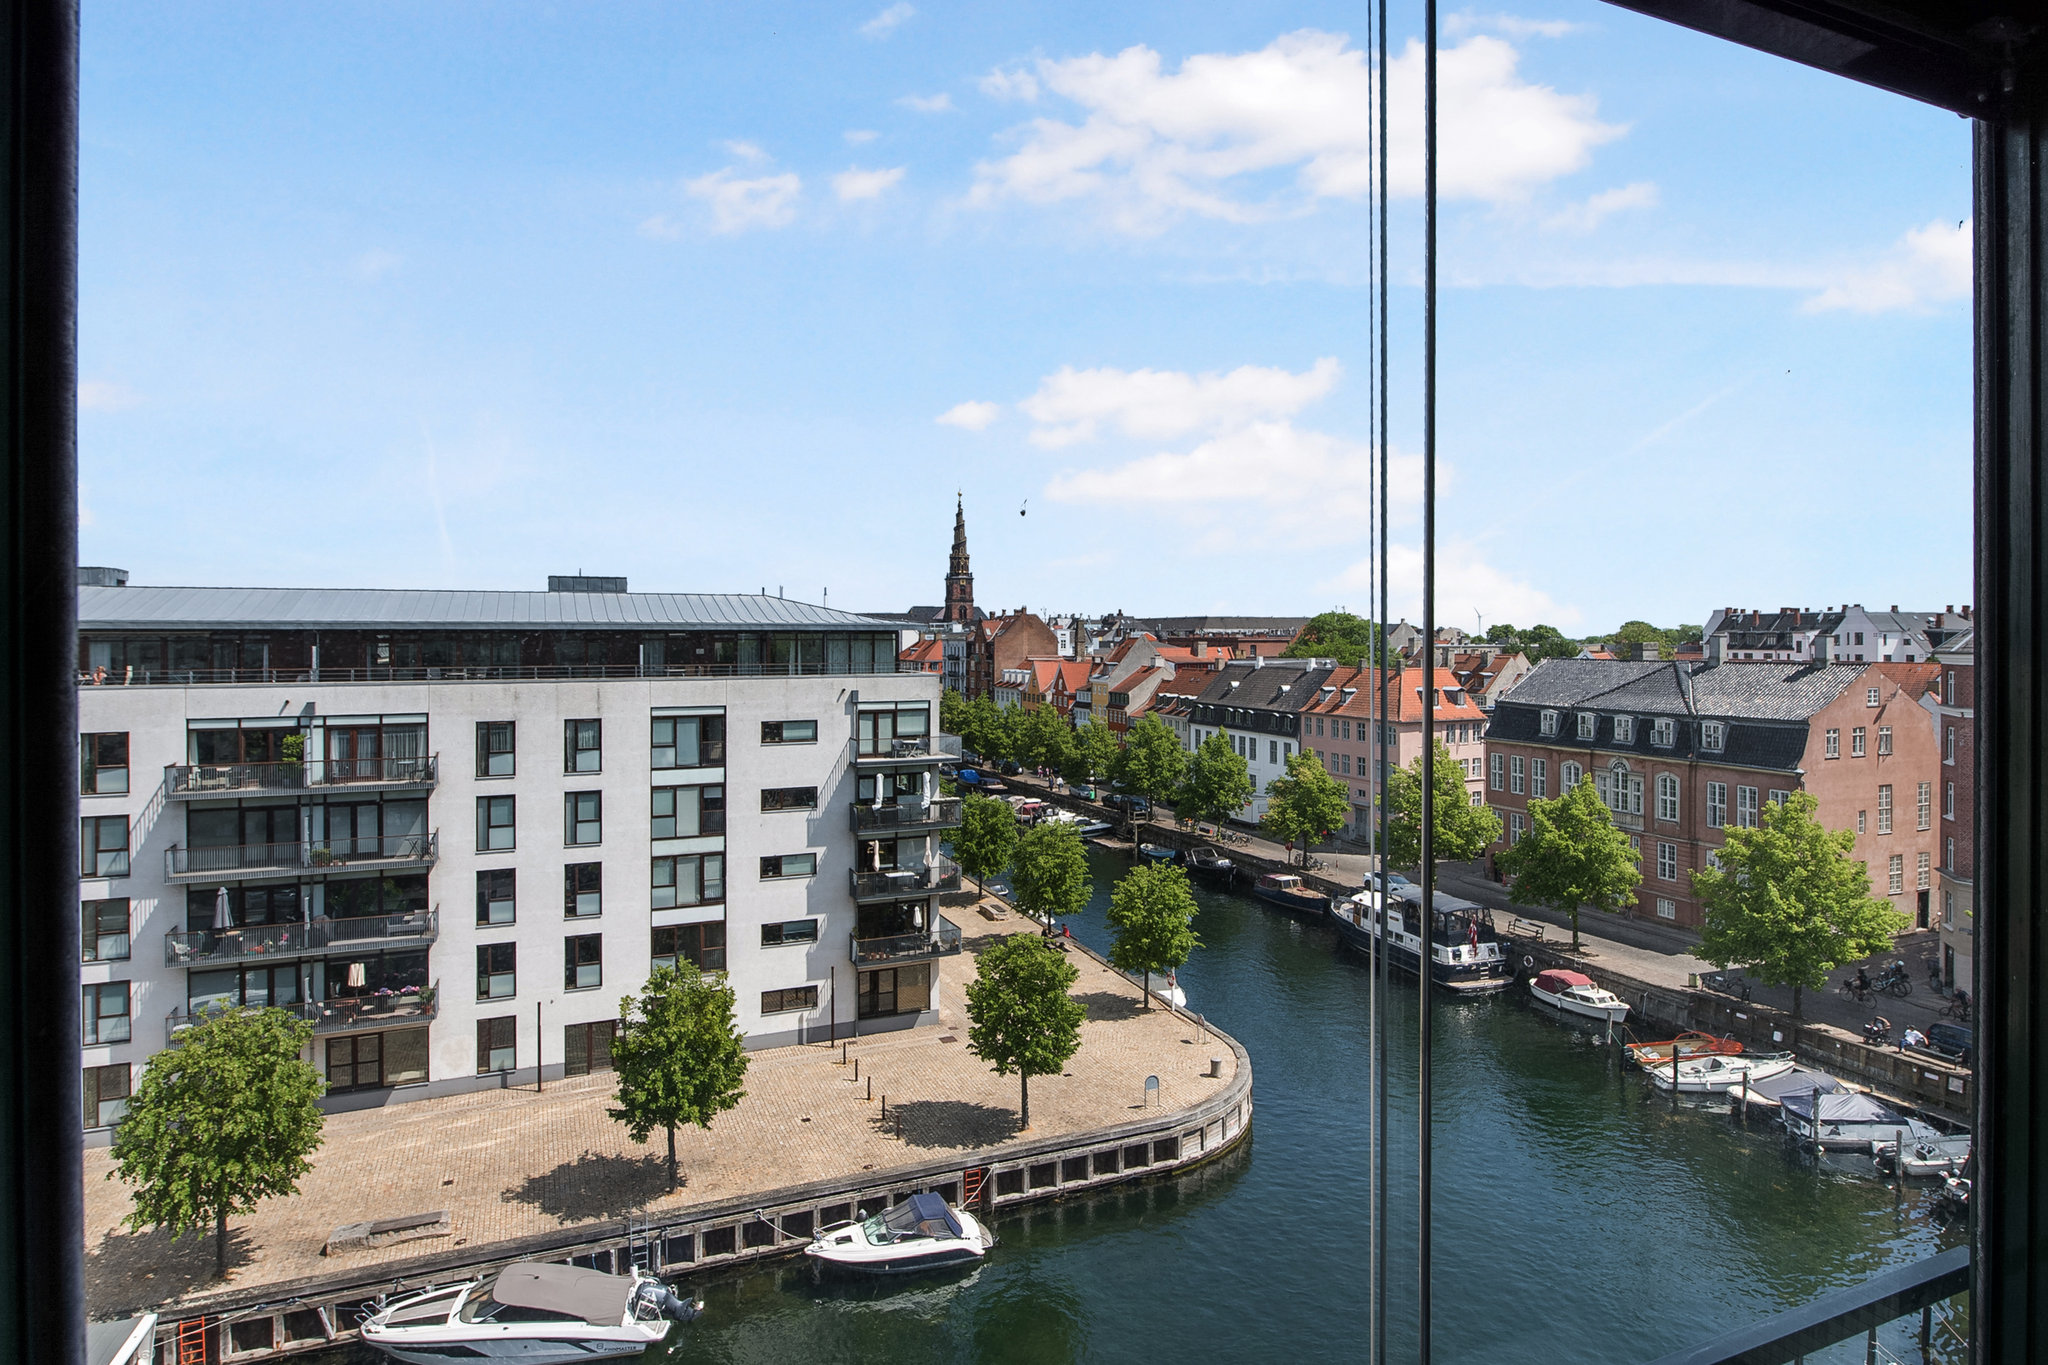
[488, 751]
[580, 880]
[580, 951]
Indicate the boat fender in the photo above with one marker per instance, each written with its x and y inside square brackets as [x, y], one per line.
[1528, 960]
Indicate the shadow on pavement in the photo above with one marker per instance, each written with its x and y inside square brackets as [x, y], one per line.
[948, 1123]
[597, 1186]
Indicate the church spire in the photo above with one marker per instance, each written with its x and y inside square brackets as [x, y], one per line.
[959, 579]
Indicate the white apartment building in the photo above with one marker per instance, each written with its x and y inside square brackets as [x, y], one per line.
[453, 829]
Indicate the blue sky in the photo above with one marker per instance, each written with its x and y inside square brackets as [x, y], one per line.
[727, 297]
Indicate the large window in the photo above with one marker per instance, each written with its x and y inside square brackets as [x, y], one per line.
[687, 879]
[1667, 861]
[494, 816]
[789, 999]
[1884, 808]
[689, 741]
[103, 764]
[582, 890]
[1856, 742]
[582, 746]
[106, 1012]
[1713, 736]
[885, 732]
[702, 946]
[103, 846]
[1667, 797]
[494, 748]
[894, 990]
[1517, 781]
[583, 819]
[789, 865]
[1833, 747]
[588, 1047]
[1884, 740]
[104, 925]
[1539, 777]
[1717, 805]
[789, 732]
[582, 962]
[789, 798]
[1496, 763]
[497, 1044]
[789, 931]
[106, 1095]
[1924, 806]
[1745, 807]
[497, 971]
[497, 896]
[686, 812]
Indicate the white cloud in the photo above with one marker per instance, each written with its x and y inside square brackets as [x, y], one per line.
[746, 151]
[970, 416]
[375, 265]
[1586, 216]
[737, 204]
[1158, 404]
[855, 183]
[104, 395]
[856, 136]
[1010, 85]
[661, 228]
[1153, 145]
[885, 23]
[940, 103]
[1514, 26]
[1465, 582]
[1929, 265]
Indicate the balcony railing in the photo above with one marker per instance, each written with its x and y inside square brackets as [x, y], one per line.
[228, 779]
[915, 749]
[204, 947]
[1855, 1312]
[941, 874]
[246, 860]
[343, 1015]
[942, 941]
[187, 677]
[940, 813]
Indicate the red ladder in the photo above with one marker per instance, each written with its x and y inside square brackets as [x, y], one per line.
[971, 1190]
[193, 1339]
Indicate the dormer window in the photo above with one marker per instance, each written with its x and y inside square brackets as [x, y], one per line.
[1661, 733]
[1713, 736]
[1624, 729]
[1548, 723]
[1587, 720]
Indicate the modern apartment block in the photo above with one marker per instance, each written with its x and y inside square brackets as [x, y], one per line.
[1681, 751]
[453, 829]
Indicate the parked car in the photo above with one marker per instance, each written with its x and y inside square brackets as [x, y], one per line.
[1009, 768]
[1137, 807]
[1955, 1041]
[1087, 791]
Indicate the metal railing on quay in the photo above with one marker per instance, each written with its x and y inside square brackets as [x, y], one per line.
[196, 947]
[943, 940]
[376, 1009]
[222, 779]
[180, 861]
[908, 749]
[189, 677]
[939, 813]
[1843, 1316]
[940, 874]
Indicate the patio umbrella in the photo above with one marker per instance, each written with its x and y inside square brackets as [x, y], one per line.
[223, 918]
[356, 976]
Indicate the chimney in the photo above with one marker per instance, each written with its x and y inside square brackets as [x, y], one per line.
[1258, 660]
[1644, 651]
[1713, 649]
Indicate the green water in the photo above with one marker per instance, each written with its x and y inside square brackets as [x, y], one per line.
[1578, 1215]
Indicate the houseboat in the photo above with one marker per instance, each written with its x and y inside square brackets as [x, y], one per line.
[1465, 951]
[1285, 890]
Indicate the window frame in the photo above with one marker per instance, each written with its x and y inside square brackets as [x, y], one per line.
[1884, 808]
[487, 828]
[1858, 742]
[663, 895]
[92, 766]
[1717, 805]
[1749, 803]
[710, 748]
[1667, 861]
[90, 931]
[1668, 798]
[782, 937]
[1884, 740]
[97, 859]
[767, 792]
[1831, 744]
[704, 930]
[580, 880]
[488, 1047]
[489, 972]
[573, 824]
[1624, 729]
[97, 1099]
[778, 727]
[711, 810]
[575, 751]
[487, 879]
[1589, 725]
[1497, 766]
[1714, 736]
[487, 756]
[1663, 732]
[1517, 774]
[94, 1027]
[789, 1000]
[582, 956]
[782, 871]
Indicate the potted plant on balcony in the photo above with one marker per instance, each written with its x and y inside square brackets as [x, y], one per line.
[322, 857]
[291, 751]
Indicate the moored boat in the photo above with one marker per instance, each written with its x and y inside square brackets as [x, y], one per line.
[1207, 865]
[1157, 853]
[532, 1312]
[1944, 1154]
[1688, 1044]
[924, 1232]
[1718, 1073]
[1465, 952]
[1576, 993]
[1285, 890]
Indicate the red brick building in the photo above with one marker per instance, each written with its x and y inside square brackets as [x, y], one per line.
[998, 643]
[1680, 751]
[1952, 705]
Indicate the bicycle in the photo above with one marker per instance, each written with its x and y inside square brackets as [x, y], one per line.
[1895, 983]
[1958, 1008]
[1854, 991]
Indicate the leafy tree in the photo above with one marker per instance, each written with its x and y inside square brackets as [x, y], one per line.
[1019, 1015]
[1788, 902]
[678, 1056]
[1153, 763]
[1049, 872]
[1151, 914]
[1306, 804]
[1092, 754]
[953, 712]
[1572, 856]
[1043, 738]
[1537, 642]
[1462, 831]
[1334, 635]
[987, 837]
[1632, 633]
[220, 1123]
[1218, 784]
[984, 728]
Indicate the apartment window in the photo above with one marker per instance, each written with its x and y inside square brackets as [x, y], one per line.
[497, 1044]
[1713, 736]
[1498, 764]
[789, 798]
[1949, 860]
[1319, 727]
[1273, 751]
[582, 890]
[1568, 776]
[105, 929]
[493, 823]
[1745, 807]
[1344, 762]
[789, 865]
[103, 846]
[582, 746]
[793, 998]
[1862, 821]
[1474, 800]
[1924, 804]
[497, 971]
[1870, 696]
[1516, 779]
[1884, 739]
[1948, 746]
[1884, 808]
[105, 1008]
[1859, 637]
[1662, 732]
[1624, 729]
[103, 764]
[1856, 742]
[494, 754]
[1666, 910]
[1515, 824]
[692, 741]
[1948, 688]
[789, 931]
[1923, 873]
[1587, 722]
[1667, 861]
[1539, 777]
[583, 818]
[1896, 875]
[106, 1095]
[1834, 744]
[1717, 804]
[687, 812]
[497, 899]
[700, 945]
[692, 879]
[582, 962]
[1667, 797]
[1779, 797]
[1547, 723]
[1948, 800]
[789, 732]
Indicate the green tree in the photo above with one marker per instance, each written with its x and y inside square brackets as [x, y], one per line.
[1334, 635]
[1218, 784]
[1019, 1015]
[1151, 914]
[1572, 856]
[678, 1056]
[1536, 642]
[953, 712]
[1049, 872]
[1153, 763]
[986, 839]
[220, 1123]
[1043, 739]
[1306, 804]
[1462, 831]
[1788, 902]
[1092, 754]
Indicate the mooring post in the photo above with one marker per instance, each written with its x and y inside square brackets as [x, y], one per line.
[1926, 1330]
[871, 1089]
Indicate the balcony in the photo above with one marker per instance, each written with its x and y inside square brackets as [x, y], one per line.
[205, 947]
[231, 861]
[354, 1014]
[903, 883]
[907, 816]
[185, 781]
[942, 941]
[875, 752]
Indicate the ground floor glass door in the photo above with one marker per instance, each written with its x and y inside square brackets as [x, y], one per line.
[355, 1063]
[588, 1047]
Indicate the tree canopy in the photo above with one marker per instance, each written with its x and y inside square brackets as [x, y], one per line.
[1788, 903]
[1632, 633]
[1572, 856]
[1019, 1016]
[1151, 915]
[1043, 739]
[1092, 755]
[219, 1123]
[1334, 635]
[1049, 872]
[1536, 642]
[987, 729]
[987, 837]
[1153, 763]
[1306, 804]
[678, 1056]
[1218, 783]
[1462, 831]
[953, 711]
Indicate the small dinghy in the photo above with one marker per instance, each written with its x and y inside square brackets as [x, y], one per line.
[1156, 853]
[531, 1312]
[1719, 1073]
[1934, 1154]
[1652, 1055]
[1575, 993]
[922, 1233]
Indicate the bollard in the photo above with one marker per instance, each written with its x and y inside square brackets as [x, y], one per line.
[871, 1090]
[856, 1068]
[1215, 1067]
[842, 1054]
[885, 1104]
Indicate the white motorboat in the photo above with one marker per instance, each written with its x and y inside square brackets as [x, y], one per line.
[1928, 1153]
[1084, 826]
[924, 1232]
[1465, 951]
[1719, 1073]
[1575, 993]
[530, 1312]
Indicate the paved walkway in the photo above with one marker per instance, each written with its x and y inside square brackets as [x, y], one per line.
[513, 1163]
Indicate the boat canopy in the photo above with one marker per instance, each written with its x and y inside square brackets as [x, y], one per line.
[1280, 880]
[1846, 1106]
[1558, 980]
[588, 1294]
[1797, 1081]
[923, 1215]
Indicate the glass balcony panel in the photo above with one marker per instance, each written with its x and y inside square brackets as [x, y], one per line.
[943, 940]
[939, 875]
[220, 779]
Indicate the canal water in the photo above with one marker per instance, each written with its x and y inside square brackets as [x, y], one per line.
[1579, 1215]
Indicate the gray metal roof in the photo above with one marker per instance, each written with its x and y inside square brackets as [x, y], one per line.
[137, 608]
